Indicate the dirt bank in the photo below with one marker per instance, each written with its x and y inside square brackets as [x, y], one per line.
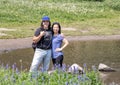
[12, 44]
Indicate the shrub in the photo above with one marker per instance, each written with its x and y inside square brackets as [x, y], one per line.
[114, 4]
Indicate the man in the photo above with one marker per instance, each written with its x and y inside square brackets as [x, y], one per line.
[43, 40]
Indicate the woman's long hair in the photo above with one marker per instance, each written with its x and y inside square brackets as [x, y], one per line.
[57, 23]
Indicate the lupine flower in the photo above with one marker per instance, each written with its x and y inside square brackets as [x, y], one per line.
[57, 66]
[71, 79]
[85, 77]
[64, 68]
[85, 67]
[74, 84]
[66, 83]
[7, 66]
[14, 66]
[17, 71]
[79, 77]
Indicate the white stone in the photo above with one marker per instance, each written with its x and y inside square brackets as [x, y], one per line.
[75, 68]
[103, 67]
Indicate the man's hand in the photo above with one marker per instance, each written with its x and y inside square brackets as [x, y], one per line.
[42, 33]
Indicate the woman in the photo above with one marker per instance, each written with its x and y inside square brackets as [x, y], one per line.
[43, 40]
[57, 47]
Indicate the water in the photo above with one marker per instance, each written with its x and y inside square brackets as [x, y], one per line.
[91, 52]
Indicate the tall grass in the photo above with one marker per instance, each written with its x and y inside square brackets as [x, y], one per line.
[26, 14]
[12, 76]
[114, 4]
[31, 11]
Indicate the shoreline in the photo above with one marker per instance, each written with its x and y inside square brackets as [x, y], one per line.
[21, 43]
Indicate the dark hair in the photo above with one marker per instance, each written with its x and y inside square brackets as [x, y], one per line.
[48, 26]
[57, 23]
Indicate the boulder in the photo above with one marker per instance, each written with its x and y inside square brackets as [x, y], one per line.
[75, 68]
[105, 68]
[51, 72]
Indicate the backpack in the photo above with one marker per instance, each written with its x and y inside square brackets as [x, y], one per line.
[34, 45]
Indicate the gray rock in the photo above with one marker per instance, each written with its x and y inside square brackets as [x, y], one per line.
[75, 68]
[105, 68]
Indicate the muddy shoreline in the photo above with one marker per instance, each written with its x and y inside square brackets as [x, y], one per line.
[20, 43]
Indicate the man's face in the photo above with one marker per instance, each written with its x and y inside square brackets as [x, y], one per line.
[45, 24]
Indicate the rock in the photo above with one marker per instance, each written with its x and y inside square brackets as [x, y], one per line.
[51, 71]
[105, 68]
[75, 68]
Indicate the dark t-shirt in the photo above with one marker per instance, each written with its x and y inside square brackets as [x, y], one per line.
[46, 40]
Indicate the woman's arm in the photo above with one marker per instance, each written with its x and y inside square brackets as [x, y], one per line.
[65, 43]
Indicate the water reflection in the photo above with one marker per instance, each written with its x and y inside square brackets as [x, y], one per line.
[110, 77]
[80, 52]
[93, 53]
[20, 57]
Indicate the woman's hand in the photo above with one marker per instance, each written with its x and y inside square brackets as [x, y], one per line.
[58, 49]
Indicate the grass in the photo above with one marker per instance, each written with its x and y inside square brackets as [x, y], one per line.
[87, 17]
[12, 76]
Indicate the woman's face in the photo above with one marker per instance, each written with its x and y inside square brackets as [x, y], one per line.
[45, 24]
[55, 29]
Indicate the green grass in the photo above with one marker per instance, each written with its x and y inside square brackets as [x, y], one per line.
[87, 17]
[12, 76]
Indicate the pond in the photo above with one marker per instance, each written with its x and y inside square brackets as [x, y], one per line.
[90, 52]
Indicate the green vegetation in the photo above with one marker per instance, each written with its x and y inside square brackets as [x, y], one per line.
[12, 76]
[87, 17]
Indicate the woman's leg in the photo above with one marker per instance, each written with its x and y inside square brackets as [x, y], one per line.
[53, 61]
[59, 60]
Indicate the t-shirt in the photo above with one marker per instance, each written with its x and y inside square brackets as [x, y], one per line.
[56, 43]
[46, 40]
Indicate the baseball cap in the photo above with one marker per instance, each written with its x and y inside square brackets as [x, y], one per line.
[45, 18]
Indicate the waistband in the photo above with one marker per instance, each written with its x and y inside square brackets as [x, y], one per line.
[44, 48]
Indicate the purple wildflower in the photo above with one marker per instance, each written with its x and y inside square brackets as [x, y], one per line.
[66, 83]
[64, 67]
[14, 66]
[79, 77]
[17, 71]
[7, 66]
